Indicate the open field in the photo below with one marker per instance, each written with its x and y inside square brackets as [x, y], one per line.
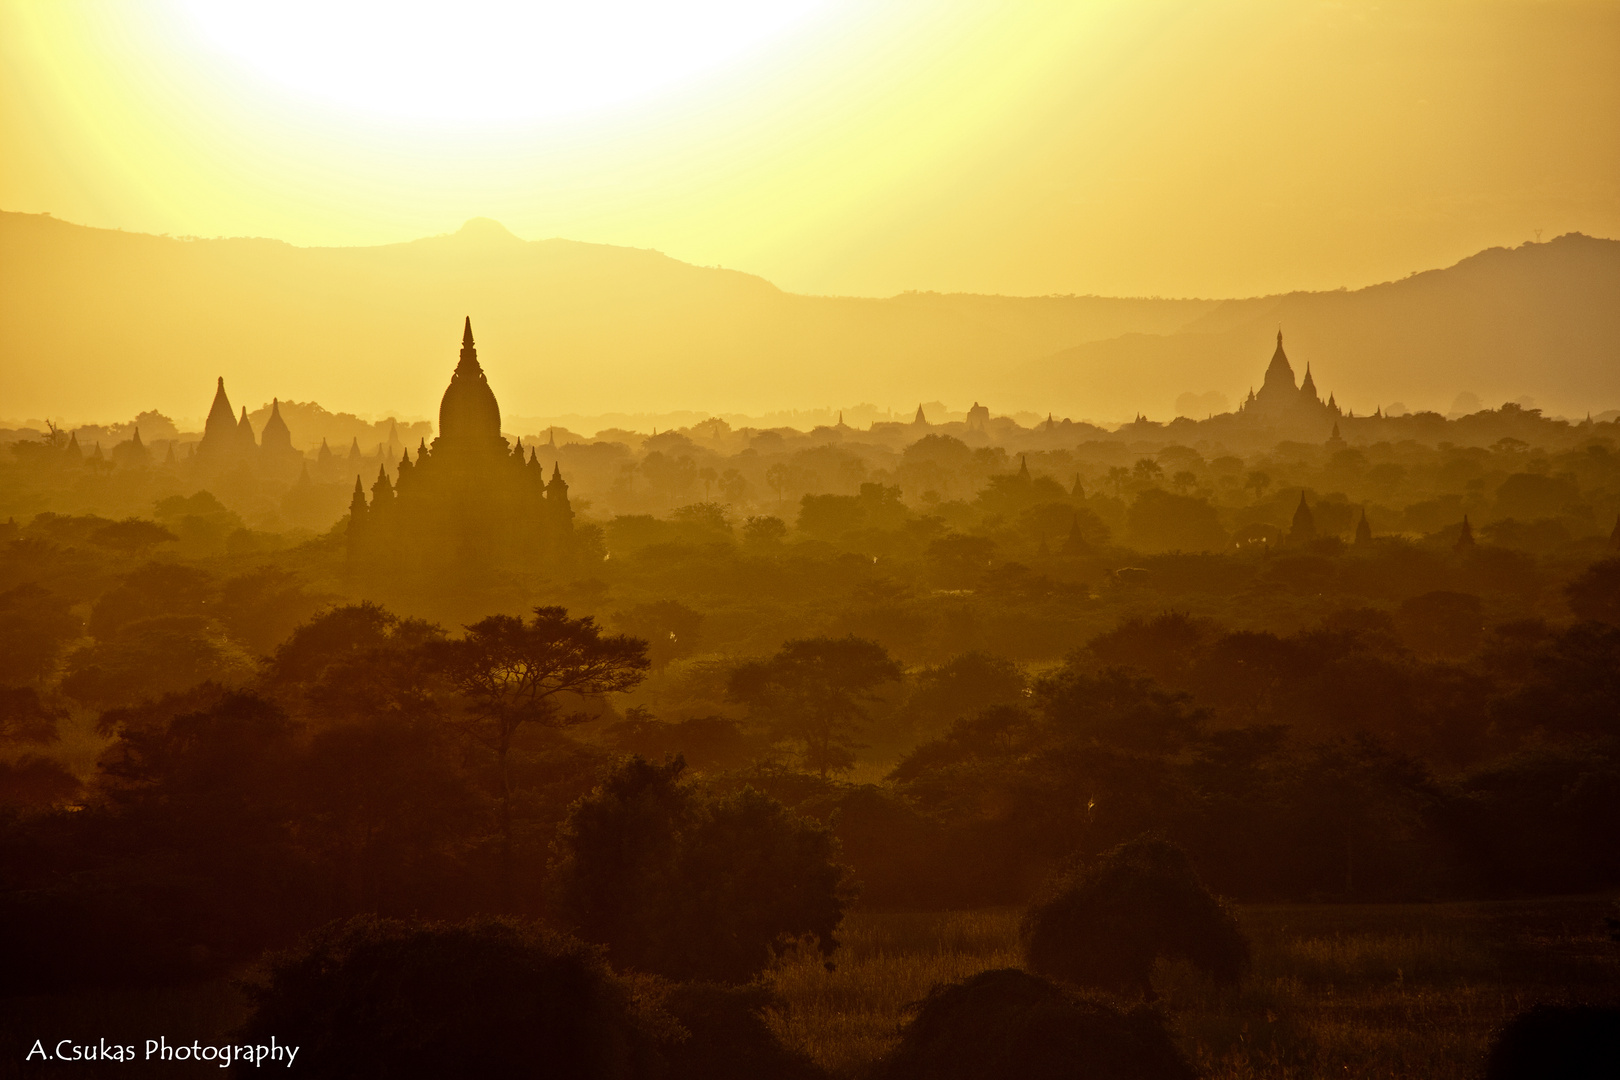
[1355, 991]
[1394, 990]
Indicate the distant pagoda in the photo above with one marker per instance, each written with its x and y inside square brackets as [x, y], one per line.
[469, 502]
[1281, 402]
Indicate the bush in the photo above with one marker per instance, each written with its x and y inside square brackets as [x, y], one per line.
[1571, 1042]
[1009, 1023]
[727, 1037]
[491, 997]
[1104, 924]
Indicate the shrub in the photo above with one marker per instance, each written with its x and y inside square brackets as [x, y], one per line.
[1009, 1023]
[1573, 1042]
[491, 997]
[1103, 925]
[727, 1037]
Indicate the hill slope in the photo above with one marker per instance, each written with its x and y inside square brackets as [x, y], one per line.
[1541, 319]
[96, 322]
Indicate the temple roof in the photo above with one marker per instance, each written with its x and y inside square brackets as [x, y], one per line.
[468, 412]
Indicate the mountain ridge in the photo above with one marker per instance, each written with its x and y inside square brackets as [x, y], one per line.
[131, 320]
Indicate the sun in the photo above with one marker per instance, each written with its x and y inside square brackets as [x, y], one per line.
[489, 60]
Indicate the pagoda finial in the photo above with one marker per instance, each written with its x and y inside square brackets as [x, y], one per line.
[466, 332]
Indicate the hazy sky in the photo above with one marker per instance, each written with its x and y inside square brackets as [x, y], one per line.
[861, 147]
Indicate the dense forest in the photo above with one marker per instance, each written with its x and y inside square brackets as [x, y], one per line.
[781, 677]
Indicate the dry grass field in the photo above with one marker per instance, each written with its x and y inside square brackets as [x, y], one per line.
[1342, 991]
[1352, 991]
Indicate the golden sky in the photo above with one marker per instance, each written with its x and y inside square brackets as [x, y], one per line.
[838, 146]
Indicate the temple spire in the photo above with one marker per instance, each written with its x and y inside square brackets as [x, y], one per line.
[466, 333]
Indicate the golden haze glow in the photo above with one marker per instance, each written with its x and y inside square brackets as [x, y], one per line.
[1016, 147]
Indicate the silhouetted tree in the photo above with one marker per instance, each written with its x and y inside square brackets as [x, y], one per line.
[379, 998]
[25, 718]
[511, 673]
[1103, 924]
[1009, 1023]
[728, 1038]
[963, 686]
[1595, 594]
[692, 888]
[1571, 1042]
[1443, 624]
[34, 626]
[813, 691]
[133, 535]
[670, 628]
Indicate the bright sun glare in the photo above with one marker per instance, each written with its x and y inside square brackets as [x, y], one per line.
[490, 60]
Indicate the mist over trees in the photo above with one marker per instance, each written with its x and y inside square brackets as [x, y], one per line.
[779, 680]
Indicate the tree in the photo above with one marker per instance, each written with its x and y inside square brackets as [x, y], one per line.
[1147, 470]
[777, 478]
[671, 629]
[133, 535]
[1161, 520]
[34, 626]
[511, 673]
[694, 888]
[764, 532]
[26, 718]
[965, 685]
[1257, 482]
[1595, 594]
[812, 691]
[1011, 1023]
[1103, 924]
[375, 998]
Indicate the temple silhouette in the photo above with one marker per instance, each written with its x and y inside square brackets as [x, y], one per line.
[469, 502]
[1281, 401]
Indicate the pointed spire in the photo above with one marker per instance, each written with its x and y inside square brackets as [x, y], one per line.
[1303, 527]
[1075, 544]
[551, 438]
[219, 431]
[382, 490]
[466, 334]
[1077, 491]
[919, 418]
[1363, 530]
[168, 459]
[357, 502]
[1465, 539]
[276, 438]
[354, 449]
[72, 449]
[1023, 466]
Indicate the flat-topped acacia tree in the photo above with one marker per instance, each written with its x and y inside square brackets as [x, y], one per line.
[509, 673]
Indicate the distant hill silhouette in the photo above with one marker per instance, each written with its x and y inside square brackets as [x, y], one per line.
[1540, 319]
[96, 321]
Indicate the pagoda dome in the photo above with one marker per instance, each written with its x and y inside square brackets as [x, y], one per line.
[469, 415]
